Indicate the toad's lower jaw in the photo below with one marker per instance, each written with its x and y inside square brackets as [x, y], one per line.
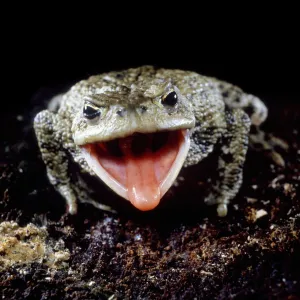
[142, 178]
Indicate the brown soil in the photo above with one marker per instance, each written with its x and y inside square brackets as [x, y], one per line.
[170, 253]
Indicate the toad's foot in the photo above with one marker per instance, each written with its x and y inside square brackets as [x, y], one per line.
[222, 208]
[84, 197]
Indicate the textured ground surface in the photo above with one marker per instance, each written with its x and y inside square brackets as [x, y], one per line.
[169, 254]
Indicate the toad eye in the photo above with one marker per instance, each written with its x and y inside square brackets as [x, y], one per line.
[170, 99]
[90, 111]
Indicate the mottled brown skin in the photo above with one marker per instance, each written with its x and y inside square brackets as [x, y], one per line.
[215, 112]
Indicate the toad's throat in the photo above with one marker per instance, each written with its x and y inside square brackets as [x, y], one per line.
[141, 167]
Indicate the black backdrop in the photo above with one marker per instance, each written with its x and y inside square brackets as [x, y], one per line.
[262, 60]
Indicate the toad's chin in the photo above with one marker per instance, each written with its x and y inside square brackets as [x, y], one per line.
[141, 167]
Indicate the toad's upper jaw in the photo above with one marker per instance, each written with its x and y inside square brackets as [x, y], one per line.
[140, 168]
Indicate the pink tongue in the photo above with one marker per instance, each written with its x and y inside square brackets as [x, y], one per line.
[143, 186]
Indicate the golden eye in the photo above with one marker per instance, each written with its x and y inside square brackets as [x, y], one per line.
[90, 111]
[170, 99]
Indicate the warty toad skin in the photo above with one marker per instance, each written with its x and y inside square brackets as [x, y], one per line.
[135, 129]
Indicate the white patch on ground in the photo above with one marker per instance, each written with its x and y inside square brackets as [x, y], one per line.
[260, 213]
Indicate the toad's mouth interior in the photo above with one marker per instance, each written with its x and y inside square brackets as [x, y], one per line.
[141, 167]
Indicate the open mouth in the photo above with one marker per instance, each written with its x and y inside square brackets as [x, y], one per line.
[141, 167]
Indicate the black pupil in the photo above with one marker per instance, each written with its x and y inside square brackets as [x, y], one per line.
[171, 99]
[90, 112]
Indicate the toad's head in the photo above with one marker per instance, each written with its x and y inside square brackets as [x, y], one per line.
[135, 136]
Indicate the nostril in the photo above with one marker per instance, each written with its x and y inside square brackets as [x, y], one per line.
[121, 112]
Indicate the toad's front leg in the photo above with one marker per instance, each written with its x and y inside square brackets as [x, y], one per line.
[55, 156]
[58, 149]
[231, 160]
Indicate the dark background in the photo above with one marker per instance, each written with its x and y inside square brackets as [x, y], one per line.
[259, 53]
